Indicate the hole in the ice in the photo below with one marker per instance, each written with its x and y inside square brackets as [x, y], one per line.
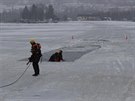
[70, 54]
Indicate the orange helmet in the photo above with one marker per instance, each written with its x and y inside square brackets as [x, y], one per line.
[32, 41]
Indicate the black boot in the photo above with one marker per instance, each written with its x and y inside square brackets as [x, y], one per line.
[35, 74]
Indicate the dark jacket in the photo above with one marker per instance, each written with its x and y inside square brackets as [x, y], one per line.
[36, 52]
[56, 57]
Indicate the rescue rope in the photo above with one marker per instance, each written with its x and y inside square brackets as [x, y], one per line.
[16, 79]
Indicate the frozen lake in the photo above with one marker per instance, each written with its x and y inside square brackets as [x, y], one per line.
[100, 62]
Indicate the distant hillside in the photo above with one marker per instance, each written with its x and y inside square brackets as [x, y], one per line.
[108, 2]
[59, 4]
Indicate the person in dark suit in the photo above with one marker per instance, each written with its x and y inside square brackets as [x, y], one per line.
[35, 57]
[57, 56]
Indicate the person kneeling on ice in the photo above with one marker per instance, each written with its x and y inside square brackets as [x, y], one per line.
[35, 57]
[57, 56]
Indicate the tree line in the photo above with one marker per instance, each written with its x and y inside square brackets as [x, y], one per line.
[34, 13]
[116, 14]
[42, 13]
[38, 13]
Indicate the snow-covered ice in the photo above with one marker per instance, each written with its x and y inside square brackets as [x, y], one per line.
[102, 66]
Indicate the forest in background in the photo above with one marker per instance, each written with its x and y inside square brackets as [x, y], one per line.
[36, 13]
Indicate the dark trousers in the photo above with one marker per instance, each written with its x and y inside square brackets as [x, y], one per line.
[36, 67]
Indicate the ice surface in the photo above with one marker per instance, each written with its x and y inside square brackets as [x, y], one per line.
[106, 73]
